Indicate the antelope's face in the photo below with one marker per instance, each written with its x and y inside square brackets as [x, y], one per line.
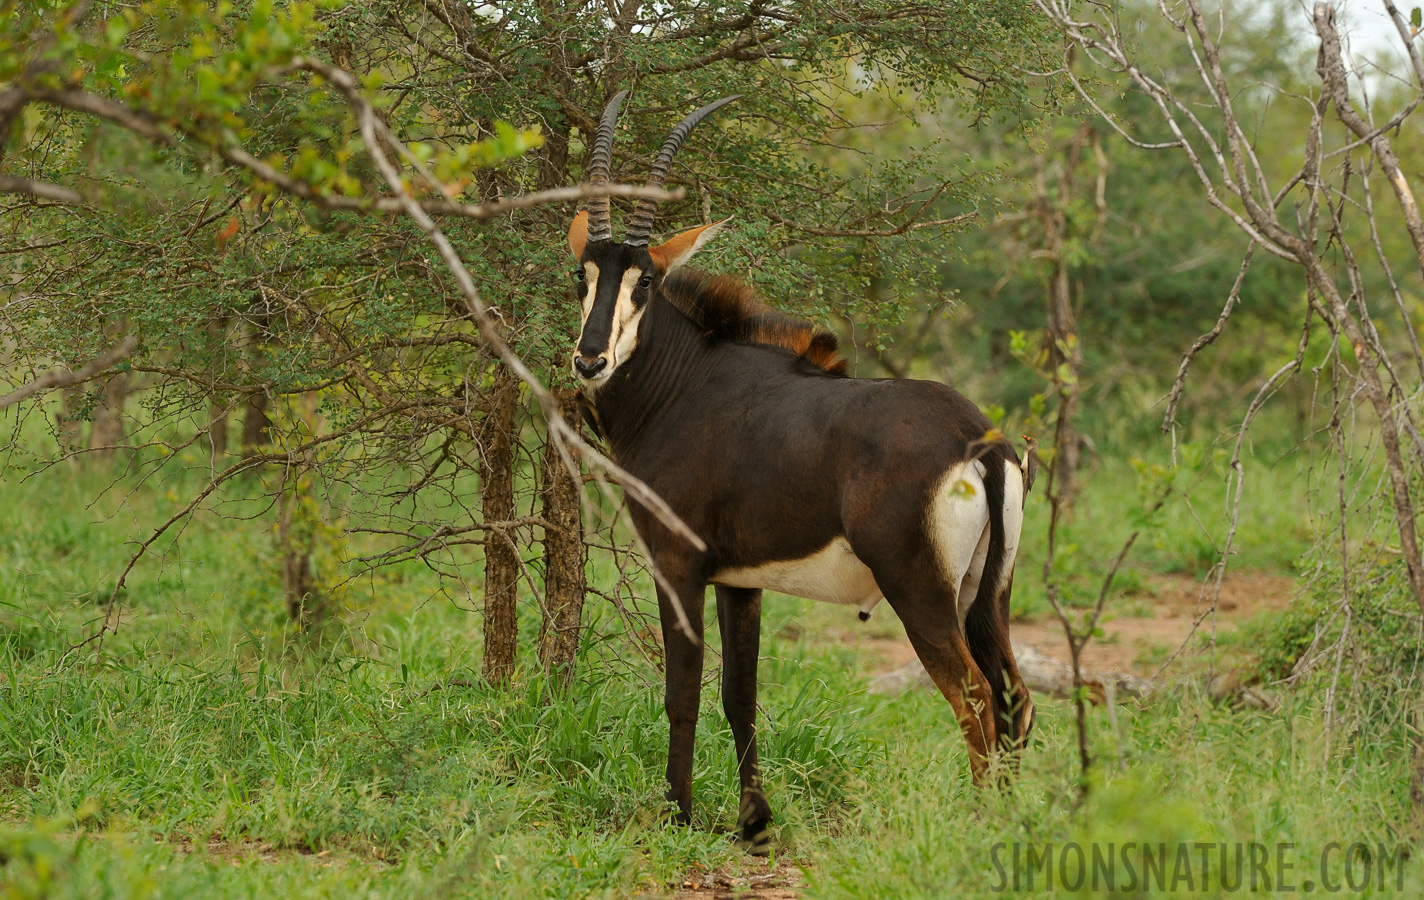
[614, 283]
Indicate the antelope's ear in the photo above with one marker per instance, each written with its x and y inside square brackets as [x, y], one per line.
[578, 233]
[678, 249]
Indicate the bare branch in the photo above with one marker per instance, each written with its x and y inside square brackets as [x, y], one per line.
[65, 378]
[1180, 382]
[9, 184]
[1331, 69]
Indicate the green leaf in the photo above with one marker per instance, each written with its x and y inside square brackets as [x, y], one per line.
[117, 28]
[1416, 18]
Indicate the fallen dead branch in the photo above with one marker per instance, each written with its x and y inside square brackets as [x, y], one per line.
[1042, 673]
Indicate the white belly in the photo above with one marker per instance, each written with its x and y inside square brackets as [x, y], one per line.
[833, 574]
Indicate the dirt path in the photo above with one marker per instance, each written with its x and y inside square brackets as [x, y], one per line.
[1161, 618]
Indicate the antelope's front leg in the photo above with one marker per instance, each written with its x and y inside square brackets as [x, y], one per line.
[684, 686]
[739, 617]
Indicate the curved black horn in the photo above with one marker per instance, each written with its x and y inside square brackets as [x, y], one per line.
[600, 225]
[642, 223]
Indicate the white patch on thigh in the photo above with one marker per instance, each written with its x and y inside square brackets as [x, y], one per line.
[969, 586]
[958, 523]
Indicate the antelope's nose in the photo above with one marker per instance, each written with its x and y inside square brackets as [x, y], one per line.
[589, 366]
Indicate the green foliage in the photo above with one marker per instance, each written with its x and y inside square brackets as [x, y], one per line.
[1359, 640]
[219, 77]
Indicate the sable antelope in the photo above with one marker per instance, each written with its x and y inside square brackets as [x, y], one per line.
[798, 478]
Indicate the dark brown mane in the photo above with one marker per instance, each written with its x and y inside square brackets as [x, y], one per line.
[730, 310]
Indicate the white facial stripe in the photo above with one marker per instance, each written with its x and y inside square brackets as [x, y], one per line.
[624, 336]
[627, 338]
[590, 280]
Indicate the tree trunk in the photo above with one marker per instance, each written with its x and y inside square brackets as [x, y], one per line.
[563, 559]
[255, 424]
[256, 417]
[295, 532]
[1065, 351]
[70, 425]
[554, 160]
[1330, 66]
[217, 411]
[107, 429]
[1416, 780]
[501, 554]
[217, 428]
[1067, 356]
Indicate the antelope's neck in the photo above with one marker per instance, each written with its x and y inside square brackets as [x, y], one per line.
[671, 359]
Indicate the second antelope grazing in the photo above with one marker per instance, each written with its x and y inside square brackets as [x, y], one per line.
[797, 478]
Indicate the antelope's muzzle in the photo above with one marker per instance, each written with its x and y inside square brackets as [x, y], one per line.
[589, 366]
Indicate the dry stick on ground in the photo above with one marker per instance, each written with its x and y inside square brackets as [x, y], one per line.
[1239, 173]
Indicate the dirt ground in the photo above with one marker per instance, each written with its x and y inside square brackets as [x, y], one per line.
[1160, 618]
[1139, 644]
[749, 882]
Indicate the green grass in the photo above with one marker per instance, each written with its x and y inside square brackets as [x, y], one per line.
[210, 752]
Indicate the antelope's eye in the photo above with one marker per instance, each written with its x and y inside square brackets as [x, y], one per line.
[578, 275]
[645, 282]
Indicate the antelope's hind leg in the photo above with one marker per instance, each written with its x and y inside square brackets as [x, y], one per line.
[739, 617]
[987, 631]
[926, 575]
[934, 631]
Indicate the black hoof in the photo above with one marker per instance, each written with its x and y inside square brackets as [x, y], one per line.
[754, 824]
[757, 845]
[672, 815]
